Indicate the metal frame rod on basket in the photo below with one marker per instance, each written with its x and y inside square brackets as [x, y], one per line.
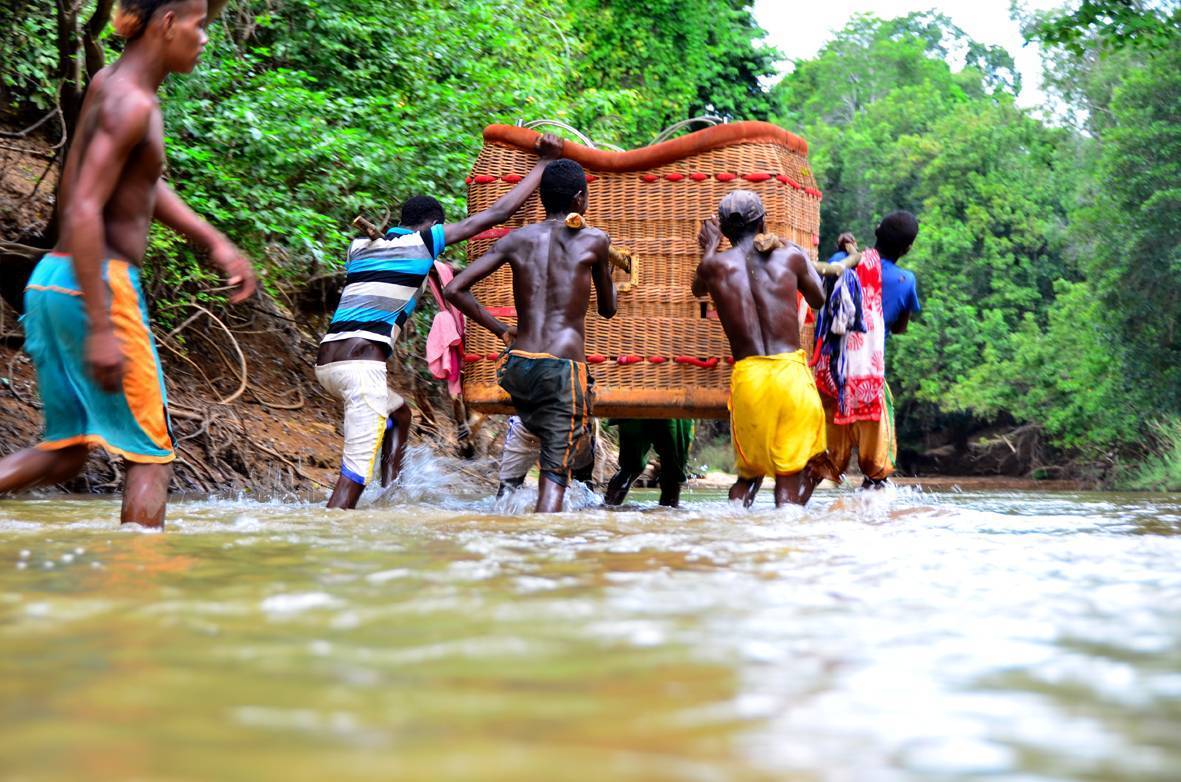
[585, 139]
[707, 119]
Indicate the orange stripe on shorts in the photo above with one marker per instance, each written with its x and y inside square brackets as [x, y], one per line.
[141, 380]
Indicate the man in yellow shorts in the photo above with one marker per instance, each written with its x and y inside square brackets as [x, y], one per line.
[776, 418]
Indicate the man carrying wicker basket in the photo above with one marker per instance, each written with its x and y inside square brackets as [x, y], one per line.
[554, 263]
[776, 417]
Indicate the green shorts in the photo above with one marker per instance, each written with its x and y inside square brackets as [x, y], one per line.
[552, 398]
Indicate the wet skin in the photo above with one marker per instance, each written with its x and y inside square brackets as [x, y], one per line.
[755, 297]
[553, 269]
[110, 192]
[347, 492]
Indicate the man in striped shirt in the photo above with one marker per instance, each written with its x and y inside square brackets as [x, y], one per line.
[383, 280]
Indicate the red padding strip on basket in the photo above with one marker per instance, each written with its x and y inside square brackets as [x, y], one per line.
[656, 359]
[649, 177]
[491, 356]
[484, 179]
[708, 363]
[467, 181]
[756, 177]
[591, 178]
[730, 360]
[472, 358]
[502, 312]
[493, 233]
[512, 179]
[726, 176]
[596, 358]
[674, 177]
[697, 176]
[629, 359]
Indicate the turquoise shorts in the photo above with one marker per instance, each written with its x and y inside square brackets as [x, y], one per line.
[131, 422]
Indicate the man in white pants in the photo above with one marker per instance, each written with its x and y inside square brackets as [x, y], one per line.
[521, 451]
[384, 279]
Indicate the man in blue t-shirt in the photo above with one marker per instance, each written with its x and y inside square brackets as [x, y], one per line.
[895, 234]
[900, 295]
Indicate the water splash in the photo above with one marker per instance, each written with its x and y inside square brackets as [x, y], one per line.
[428, 478]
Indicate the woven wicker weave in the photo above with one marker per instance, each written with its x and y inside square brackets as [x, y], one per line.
[651, 201]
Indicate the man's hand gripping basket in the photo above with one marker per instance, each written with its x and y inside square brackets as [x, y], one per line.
[664, 354]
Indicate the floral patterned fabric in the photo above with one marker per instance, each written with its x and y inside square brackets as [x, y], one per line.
[865, 354]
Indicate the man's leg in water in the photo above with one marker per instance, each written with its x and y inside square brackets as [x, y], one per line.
[633, 457]
[673, 458]
[393, 445]
[509, 485]
[345, 494]
[145, 493]
[618, 487]
[745, 489]
[36, 467]
[549, 493]
[795, 488]
[670, 487]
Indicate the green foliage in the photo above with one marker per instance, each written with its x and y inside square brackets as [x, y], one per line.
[892, 126]
[665, 61]
[1047, 259]
[1162, 471]
[28, 67]
[1117, 23]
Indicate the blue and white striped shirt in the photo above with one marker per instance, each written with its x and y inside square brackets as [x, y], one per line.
[383, 280]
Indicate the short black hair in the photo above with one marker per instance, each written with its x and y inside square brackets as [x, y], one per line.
[561, 181]
[420, 210]
[896, 233]
[735, 228]
[132, 16]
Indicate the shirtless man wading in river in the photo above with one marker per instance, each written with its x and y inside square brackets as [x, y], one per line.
[545, 371]
[86, 320]
[776, 418]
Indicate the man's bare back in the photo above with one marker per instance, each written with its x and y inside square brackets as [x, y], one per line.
[553, 269]
[545, 373]
[776, 418]
[755, 293]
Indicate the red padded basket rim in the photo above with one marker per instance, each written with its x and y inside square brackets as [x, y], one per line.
[656, 155]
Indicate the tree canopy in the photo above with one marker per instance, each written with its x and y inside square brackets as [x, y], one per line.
[1047, 258]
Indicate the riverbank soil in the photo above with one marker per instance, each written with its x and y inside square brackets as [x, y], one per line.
[247, 413]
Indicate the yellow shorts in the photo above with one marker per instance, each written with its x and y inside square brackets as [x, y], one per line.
[776, 417]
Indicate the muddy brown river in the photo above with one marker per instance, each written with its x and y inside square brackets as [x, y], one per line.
[899, 635]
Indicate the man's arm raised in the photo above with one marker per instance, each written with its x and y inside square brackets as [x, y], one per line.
[120, 127]
[175, 213]
[458, 291]
[549, 147]
[807, 280]
[708, 239]
[601, 277]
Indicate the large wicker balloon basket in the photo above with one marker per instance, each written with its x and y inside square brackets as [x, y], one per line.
[664, 354]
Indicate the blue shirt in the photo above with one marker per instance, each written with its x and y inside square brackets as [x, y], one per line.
[899, 293]
[383, 279]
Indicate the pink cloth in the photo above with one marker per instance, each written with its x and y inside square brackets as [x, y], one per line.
[865, 353]
[444, 342]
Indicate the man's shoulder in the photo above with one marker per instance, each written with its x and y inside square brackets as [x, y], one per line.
[790, 256]
[124, 110]
[905, 275]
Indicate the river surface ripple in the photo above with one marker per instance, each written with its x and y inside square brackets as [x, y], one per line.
[897, 635]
